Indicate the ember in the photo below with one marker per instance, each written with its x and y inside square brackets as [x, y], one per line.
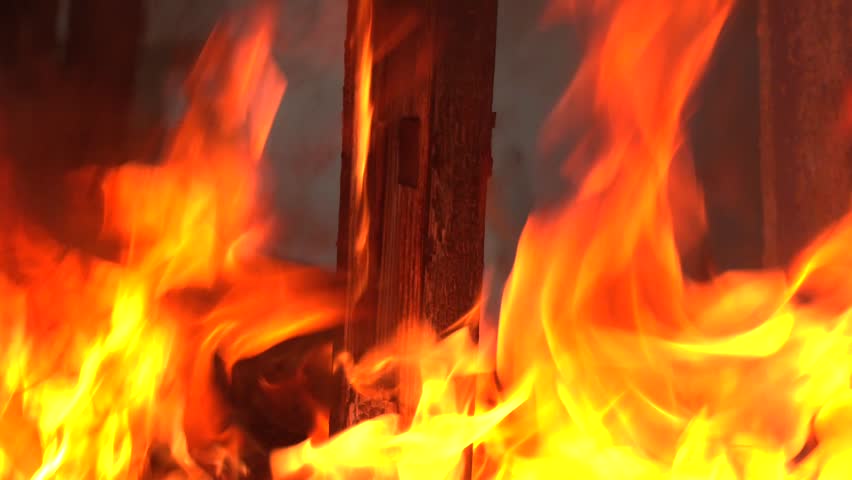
[610, 362]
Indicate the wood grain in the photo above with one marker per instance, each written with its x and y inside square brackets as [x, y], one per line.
[429, 165]
[806, 166]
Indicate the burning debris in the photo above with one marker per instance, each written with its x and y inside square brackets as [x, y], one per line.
[191, 354]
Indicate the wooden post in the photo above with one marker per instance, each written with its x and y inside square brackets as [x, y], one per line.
[806, 165]
[427, 171]
[71, 115]
[723, 133]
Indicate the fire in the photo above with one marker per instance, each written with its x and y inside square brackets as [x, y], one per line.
[101, 367]
[610, 363]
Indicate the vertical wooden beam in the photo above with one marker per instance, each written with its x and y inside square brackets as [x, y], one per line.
[347, 143]
[806, 168]
[460, 158]
[724, 132]
[427, 173]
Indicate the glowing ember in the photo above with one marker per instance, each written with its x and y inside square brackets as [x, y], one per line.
[611, 364]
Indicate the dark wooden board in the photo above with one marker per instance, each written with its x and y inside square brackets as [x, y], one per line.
[806, 162]
[428, 168]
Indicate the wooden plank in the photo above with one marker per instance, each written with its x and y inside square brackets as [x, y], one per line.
[723, 133]
[407, 95]
[83, 110]
[430, 160]
[806, 167]
[356, 339]
[347, 131]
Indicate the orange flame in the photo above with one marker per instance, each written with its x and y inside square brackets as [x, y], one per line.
[610, 364]
[359, 255]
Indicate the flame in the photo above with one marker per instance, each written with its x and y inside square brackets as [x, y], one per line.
[100, 368]
[359, 259]
[610, 362]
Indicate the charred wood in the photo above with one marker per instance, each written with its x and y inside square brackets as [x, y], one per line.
[427, 172]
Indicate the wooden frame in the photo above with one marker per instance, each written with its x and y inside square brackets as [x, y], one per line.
[427, 174]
